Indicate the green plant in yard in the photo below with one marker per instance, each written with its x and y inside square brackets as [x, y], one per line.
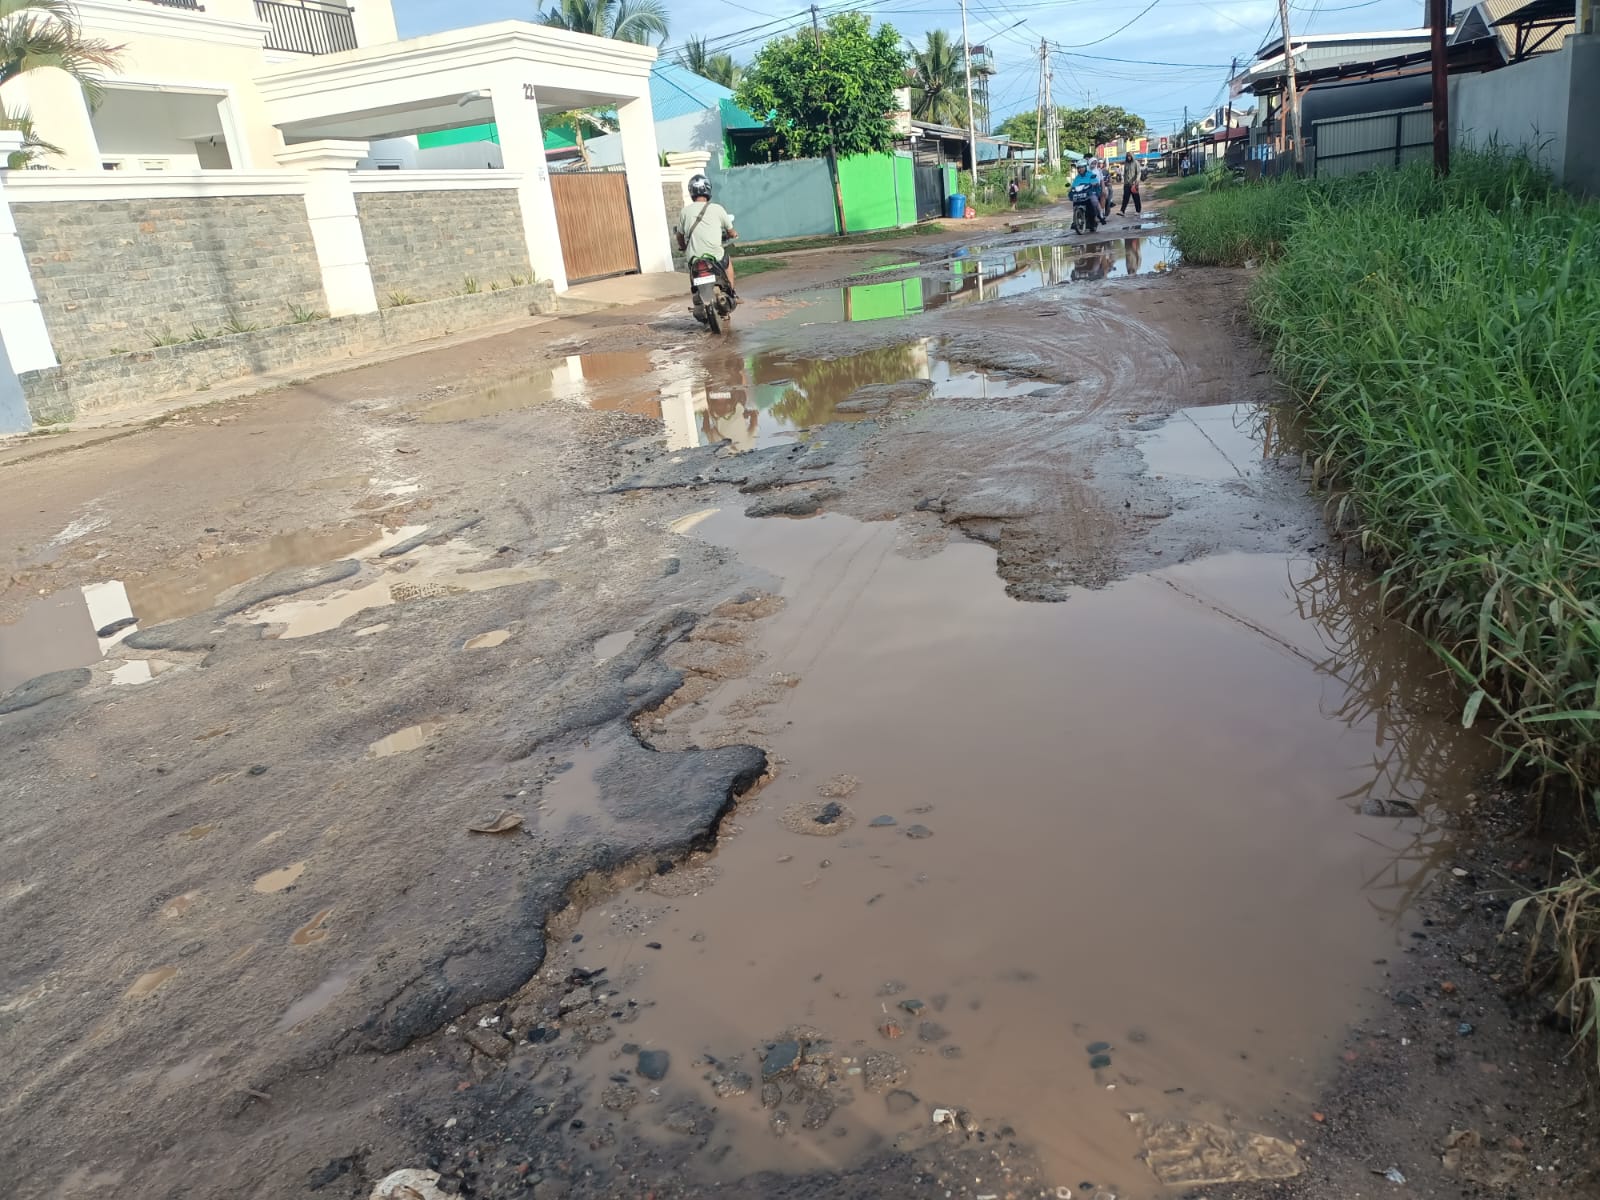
[166, 338]
[520, 280]
[469, 286]
[400, 299]
[237, 324]
[299, 314]
[829, 91]
[47, 34]
[495, 285]
[197, 334]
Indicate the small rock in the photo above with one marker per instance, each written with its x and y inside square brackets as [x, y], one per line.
[1098, 1047]
[912, 1006]
[487, 1041]
[653, 1064]
[901, 1101]
[950, 1051]
[688, 1118]
[734, 1083]
[1448, 988]
[1099, 1062]
[818, 1113]
[409, 1183]
[890, 1030]
[881, 1070]
[771, 1095]
[1407, 1000]
[619, 1097]
[830, 813]
[782, 1057]
[258, 769]
[882, 822]
[918, 831]
[1464, 1029]
[779, 1121]
[932, 1031]
[811, 1075]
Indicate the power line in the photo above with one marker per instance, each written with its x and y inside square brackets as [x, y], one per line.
[1140, 16]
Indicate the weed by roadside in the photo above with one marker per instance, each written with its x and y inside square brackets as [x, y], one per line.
[759, 266]
[1441, 335]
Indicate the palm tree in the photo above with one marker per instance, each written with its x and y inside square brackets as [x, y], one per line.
[719, 68]
[35, 34]
[641, 21]
[938, 80]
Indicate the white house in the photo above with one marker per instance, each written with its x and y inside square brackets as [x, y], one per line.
[246, 85]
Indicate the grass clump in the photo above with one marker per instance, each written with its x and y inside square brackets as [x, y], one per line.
[1443, 337]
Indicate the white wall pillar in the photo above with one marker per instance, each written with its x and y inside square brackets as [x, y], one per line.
[682, 166]
[516, 116]
[22, 324]
[335, 227]
[642, 162]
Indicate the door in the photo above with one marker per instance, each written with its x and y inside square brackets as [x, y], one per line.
[930, 192]
[595, 224]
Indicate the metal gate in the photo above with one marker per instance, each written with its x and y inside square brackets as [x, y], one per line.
[595, 223]
[930, 191]
[1368, 141]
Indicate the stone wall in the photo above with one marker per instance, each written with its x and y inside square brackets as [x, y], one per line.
[426, 244]
[123, 274]
[76, 389]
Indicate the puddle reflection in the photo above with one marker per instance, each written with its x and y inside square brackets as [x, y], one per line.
[978, 275]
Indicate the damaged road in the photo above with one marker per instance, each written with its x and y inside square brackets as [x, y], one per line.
[642, 765]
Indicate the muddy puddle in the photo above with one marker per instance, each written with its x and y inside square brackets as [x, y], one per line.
[982, 274]
[77, 626]
[1138, 852]
[1220, 442]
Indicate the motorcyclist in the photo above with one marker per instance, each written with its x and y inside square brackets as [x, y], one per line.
[704, 227]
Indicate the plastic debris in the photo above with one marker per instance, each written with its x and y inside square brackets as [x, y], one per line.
[1394, 1175]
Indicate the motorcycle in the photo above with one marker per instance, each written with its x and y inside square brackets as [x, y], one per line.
[1085, 198]
[713, 297]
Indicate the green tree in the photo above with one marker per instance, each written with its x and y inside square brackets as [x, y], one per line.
[641, 21]
[847, 77]
[719, 68]
[938, 80]
[40, 34]
[1082, 129]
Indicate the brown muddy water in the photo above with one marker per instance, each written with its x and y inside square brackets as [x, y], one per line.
[1183, 817]
[980, 274]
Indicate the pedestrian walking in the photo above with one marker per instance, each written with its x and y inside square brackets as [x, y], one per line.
[1014, 190]
[1130, 186]
[1183, 166]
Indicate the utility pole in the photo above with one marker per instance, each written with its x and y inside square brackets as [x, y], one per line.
[1441, 86]
[972, 122]
[1227, 120]
[1039, 158]
[1292, 96]
[1052, 118]
[833, 138]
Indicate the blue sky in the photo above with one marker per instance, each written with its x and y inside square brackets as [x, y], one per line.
[1179, 49]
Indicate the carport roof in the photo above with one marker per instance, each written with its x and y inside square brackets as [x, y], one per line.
[440, 81]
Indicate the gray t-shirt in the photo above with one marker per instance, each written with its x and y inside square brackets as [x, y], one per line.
[706, 239]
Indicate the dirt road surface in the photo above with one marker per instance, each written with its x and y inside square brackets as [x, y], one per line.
[925, 743]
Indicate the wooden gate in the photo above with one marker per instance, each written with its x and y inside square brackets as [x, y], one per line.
[595, 223]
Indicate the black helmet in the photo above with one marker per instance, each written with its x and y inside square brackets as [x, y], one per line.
[699, 186]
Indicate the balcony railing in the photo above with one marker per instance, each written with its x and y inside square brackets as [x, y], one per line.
[306, 28]
[191, 5]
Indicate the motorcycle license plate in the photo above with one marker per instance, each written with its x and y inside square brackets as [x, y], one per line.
[702, 280]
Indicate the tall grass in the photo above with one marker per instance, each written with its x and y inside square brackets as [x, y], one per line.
[1444, 339]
